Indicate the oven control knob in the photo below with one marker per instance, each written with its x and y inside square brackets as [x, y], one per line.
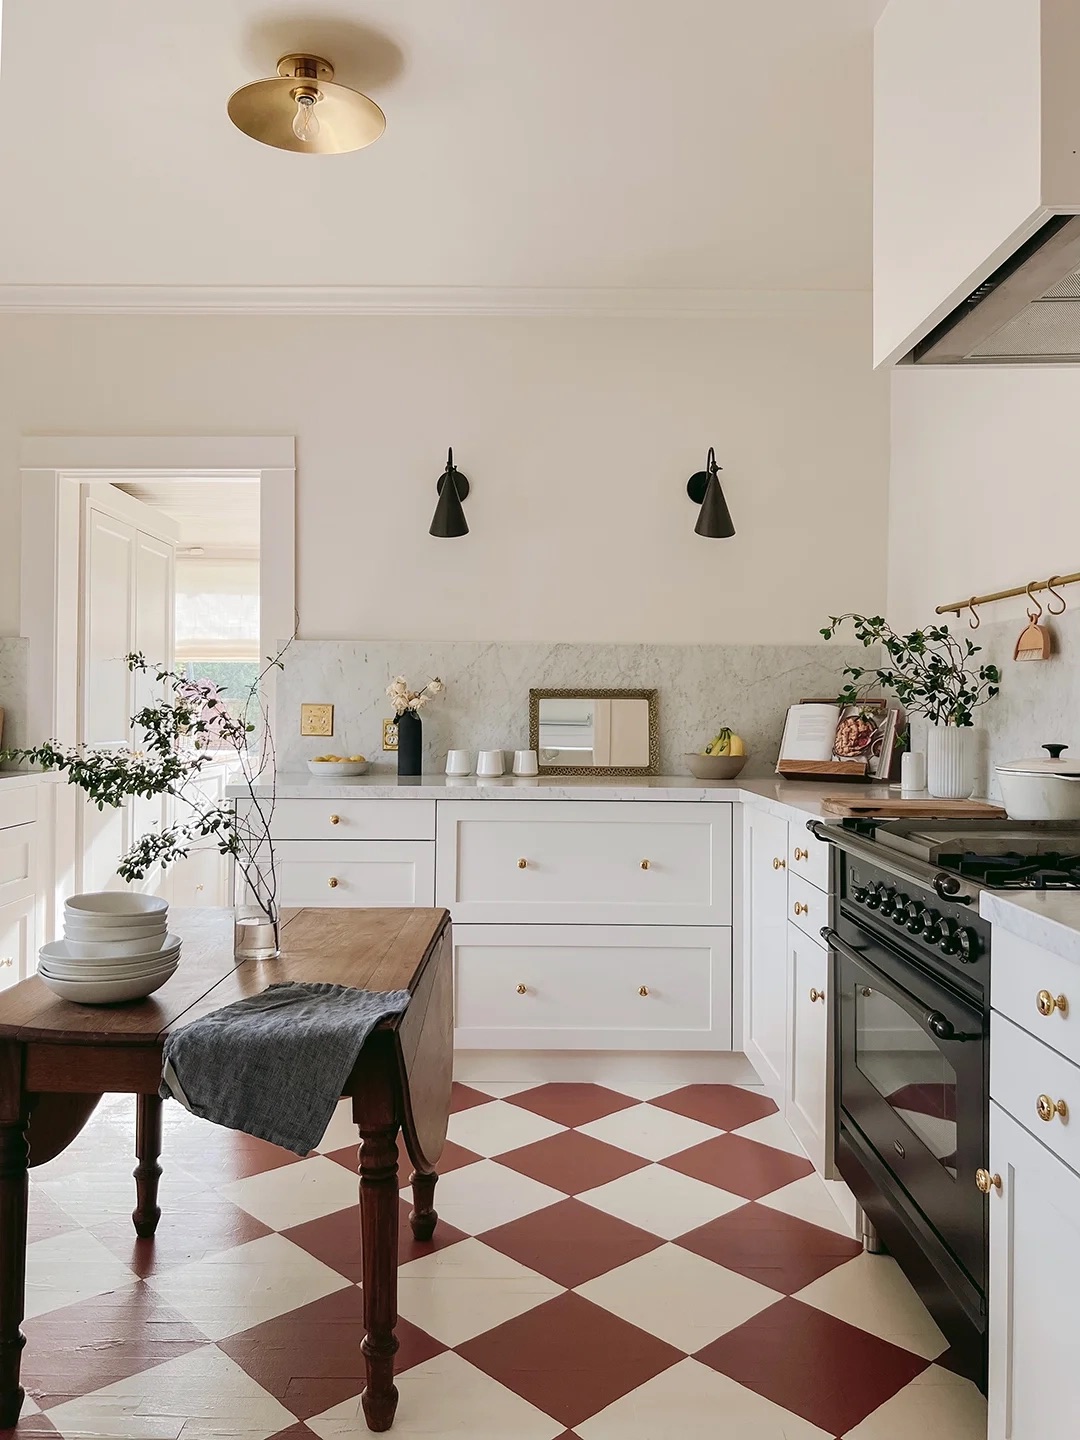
[928, 927]
[948, 937]
[888, 901]
[900, 908]
[860, 894]
[873, 896]
[916, 917]
[968, 943]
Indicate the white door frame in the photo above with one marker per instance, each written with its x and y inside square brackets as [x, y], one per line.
[54, 467]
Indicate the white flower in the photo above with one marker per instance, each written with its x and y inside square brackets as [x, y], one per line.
[436, 686]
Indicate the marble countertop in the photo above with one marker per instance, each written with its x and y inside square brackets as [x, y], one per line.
[1049, 919]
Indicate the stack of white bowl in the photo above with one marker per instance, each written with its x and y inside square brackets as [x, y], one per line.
[116, 946]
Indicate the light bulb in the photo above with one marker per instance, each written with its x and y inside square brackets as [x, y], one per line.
[305, 122]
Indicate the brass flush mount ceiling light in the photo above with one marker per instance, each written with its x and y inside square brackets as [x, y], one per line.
[304, 110]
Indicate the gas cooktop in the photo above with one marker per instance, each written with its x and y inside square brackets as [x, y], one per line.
[994, 854]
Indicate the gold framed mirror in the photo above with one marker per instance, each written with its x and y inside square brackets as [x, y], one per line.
[584, 731]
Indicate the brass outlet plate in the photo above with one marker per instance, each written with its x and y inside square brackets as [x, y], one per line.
[389, 734]
[316, 719]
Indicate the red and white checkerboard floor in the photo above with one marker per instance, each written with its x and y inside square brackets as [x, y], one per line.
[611, 1263]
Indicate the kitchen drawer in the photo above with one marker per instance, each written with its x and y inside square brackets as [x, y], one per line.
[1020, 975]
[572, 987]
[354, 874]
[1023, 1069]
[18, 949]
[18, 862]
[808, 857]
[587, 863]
[18, 805]
[317, 819]
[808, 907]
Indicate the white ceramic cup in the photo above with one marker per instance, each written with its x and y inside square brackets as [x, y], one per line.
[459, 762]
[490, 762]
[525, 762]
[913, 771]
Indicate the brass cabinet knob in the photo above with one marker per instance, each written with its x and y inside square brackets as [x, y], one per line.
[522, 989]
[779, 864]
[816, 994]
[801, 909]
[333, 882]
[801, 854]
[986, 1182]
[1046, 1108]
[644, 864]
[643, 990]
[335, 819]
[522, 864]
[1047, 1003]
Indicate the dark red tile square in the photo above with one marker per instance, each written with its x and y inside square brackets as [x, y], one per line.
[726, 1107]
[569, 1104]
[199, 1226]
[464, 1097]
[82, 1347]
[831, 1373]
[299, 1431]
[335, 1239]
[569, 1358]
[310, 1358]
[30, 1425]
[572, 1162]
[775, 1249]
[741, 1166]
[453, 1157]
[571, 1242]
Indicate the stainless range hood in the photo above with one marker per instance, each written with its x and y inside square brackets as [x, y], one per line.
[1026, 313]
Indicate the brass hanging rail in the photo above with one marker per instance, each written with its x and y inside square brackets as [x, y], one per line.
[959, 606]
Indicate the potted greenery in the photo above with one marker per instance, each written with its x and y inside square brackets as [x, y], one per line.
[932, 673]
[179, 735]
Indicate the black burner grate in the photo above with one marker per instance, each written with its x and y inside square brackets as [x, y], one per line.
[1013, 871]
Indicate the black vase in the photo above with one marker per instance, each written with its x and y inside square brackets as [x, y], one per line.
[410, 743]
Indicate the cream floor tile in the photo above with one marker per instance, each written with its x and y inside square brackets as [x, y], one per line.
[342, 1129]
[809, 1199]
[500, 1089]
[873, 1293]
[67, 1268]
[478, 1197]
[692, 1402]
[293, 1194]
[102, 1191]
[446, 1399]
[467, 1289]
[648, 1131]
[662, 1201]
[238, 1288]
[493, 1129]
[641, 1089]
[772, 1130]
[204, 1394]
[937, 1405]
[679, 1296]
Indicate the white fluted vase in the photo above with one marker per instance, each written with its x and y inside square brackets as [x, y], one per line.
[950, 761]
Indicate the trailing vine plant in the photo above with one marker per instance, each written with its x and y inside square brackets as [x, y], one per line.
[178, 736]
[931, 672]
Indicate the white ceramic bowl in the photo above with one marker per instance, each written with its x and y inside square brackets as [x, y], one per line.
[715, 767]
[61, 951]
[76, 970]
[111, 907]
[106, 992]
[115, 926]
[110, 949]
[341, 769]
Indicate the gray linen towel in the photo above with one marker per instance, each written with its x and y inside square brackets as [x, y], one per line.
[274, 1065]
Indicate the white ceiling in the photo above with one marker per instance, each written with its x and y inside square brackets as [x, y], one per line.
[572, 143]
[219, 516]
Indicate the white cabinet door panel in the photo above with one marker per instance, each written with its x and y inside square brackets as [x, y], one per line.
[18, 942]
[807, 1089]
[765, 918]
[1021, 972]
[355, 874]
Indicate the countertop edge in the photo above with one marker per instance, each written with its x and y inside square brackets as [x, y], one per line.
[1028, 916]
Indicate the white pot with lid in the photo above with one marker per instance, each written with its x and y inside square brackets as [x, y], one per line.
[1039, 789]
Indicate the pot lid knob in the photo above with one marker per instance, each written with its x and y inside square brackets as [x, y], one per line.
[1054, 751]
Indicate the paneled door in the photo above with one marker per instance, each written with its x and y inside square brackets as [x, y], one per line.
[765, 916]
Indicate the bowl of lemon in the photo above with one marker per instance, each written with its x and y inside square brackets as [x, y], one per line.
[722, 759]
[339, 766]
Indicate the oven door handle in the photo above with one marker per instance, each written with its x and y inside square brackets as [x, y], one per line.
[937, 1023]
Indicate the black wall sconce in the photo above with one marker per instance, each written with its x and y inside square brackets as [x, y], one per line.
[705, 490]
[449, 518]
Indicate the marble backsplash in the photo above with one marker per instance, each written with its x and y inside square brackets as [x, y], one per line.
[486, 703]
[13, 669]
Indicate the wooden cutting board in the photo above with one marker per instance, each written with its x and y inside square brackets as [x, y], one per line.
[925, 807]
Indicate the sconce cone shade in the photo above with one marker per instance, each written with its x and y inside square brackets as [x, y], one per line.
[704, 488]
[449, 518]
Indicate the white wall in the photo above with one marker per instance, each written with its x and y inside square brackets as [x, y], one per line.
[985, 485]
[577, 435]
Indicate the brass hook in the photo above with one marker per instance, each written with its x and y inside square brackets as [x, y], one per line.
[1038, 607]
[975, 621]
[1064, 602]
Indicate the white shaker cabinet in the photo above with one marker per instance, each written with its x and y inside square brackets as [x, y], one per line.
[806, 1095]
[765, 911]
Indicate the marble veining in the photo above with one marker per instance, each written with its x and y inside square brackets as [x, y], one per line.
[1049, 919]
[486, 703]
[14, 652]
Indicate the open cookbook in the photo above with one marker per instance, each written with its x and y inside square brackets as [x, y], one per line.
[861, 741]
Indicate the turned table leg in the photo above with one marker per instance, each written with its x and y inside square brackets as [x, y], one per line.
[14, 1156]
[423, 1217]
[147, 1172]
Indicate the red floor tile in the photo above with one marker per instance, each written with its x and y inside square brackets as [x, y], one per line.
[571, 1242]
[45, 1218]
[335, 1239]
[821, 1368]
[310, 1358]
[199, 1226]
[775, 1249]
[568, 1104]
[453, 1157]
[572, 1162]
[726, 1107]
[569, 1358]
[463, 1097]
[82, 1347]
[31, 1425]
[742, 1166]
[299, 1431]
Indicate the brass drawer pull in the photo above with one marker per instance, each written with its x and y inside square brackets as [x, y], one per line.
[522, 864]
[333, 882]
[816, 994]
[801, 909]
[643, 990]
[779, 864]
[986, 1182]
[644, 864]
[801, 854]
[335, 819]
[1047, 1003]
[1046, 1108]
[522, 989]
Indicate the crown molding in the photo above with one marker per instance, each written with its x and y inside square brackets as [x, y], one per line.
[309, 300]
